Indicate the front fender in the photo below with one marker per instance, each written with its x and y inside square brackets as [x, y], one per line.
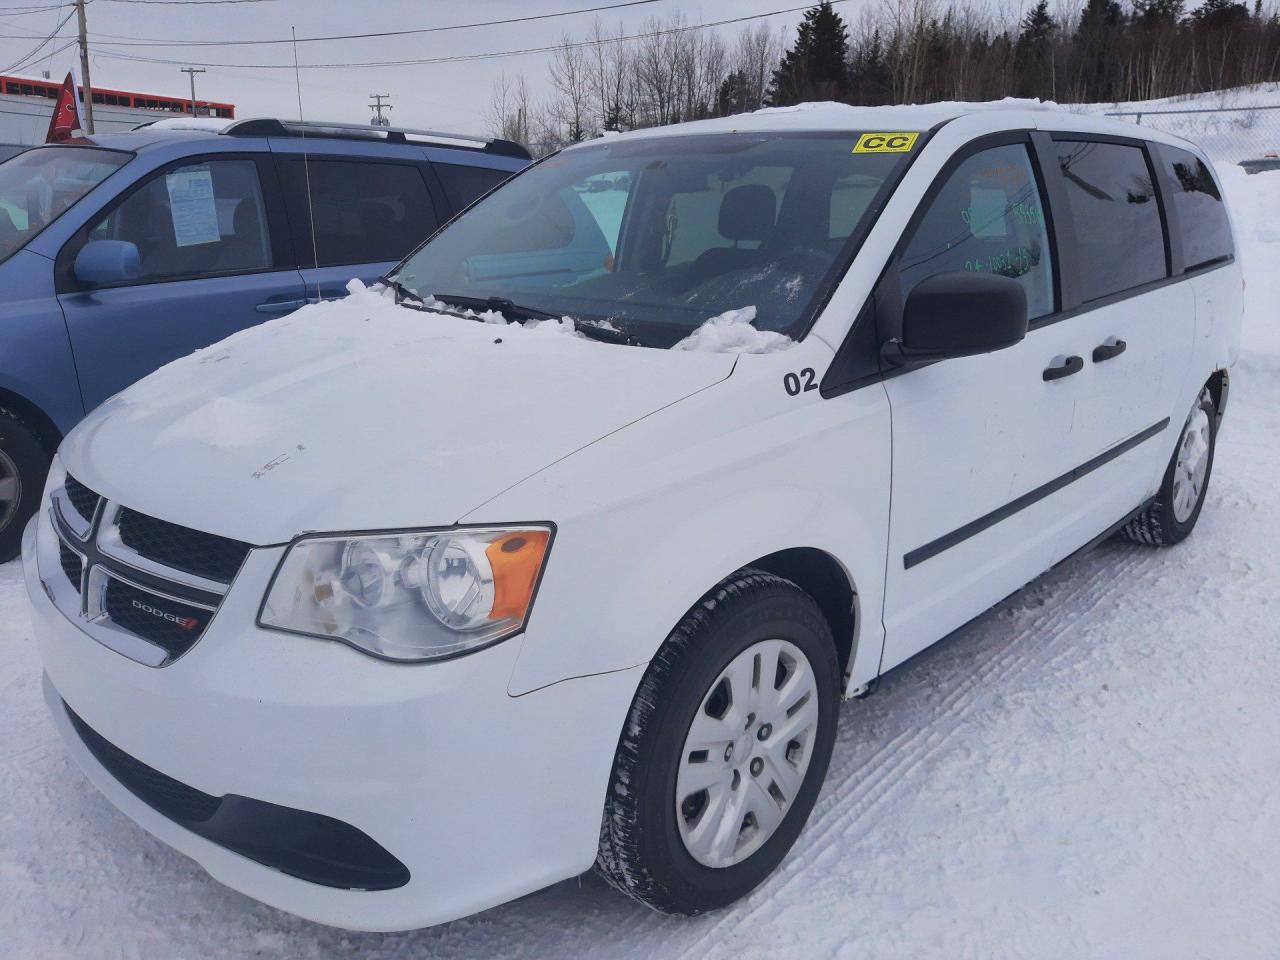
[652, 517]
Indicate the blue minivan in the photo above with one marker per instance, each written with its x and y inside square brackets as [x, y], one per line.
[120, 252]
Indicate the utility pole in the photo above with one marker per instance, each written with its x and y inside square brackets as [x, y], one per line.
[191, 72]
[378, 106]
[84, 67]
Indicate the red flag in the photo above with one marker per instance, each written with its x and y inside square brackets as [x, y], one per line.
[66, 113]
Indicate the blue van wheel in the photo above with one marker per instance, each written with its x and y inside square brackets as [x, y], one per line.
[24, 464]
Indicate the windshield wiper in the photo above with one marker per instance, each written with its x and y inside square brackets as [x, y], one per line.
[606, 334]
[407, 298]
[498, 304]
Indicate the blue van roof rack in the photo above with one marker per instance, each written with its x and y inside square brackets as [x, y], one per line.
[272, 127]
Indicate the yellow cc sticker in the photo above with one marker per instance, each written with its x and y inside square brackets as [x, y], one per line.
[885, 143]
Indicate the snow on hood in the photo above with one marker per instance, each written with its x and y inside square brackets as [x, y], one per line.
[361, 414]
[733, 332]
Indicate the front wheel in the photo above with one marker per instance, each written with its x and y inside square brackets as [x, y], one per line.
[725, 748]
[1172, 515]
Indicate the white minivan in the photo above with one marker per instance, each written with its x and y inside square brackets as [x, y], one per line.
[561, 546]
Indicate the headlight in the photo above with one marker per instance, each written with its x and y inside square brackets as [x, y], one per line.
[412, 595]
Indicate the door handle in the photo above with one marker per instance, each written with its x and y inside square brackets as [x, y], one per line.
[1066, 368]
[279, 306]
[1112, 348]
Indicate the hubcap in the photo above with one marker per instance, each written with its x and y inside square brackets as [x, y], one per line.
[746, 753]
[10, 489]
[1192, 465]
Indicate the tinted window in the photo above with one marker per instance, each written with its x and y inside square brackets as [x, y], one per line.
[361, 212]
[464, 184]
[1112, 205]
[1202, 216]
[987, 218]
[199, 218]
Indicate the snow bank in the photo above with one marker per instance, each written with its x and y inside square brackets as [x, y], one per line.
[733, 332]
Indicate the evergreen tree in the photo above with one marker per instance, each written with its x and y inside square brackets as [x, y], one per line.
[1157, 13]
[1097, 50]
[870, 79]
[1219, 14]
[815, 68]
[1034, 62]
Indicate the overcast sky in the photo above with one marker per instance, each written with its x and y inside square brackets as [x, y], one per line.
[447, 96]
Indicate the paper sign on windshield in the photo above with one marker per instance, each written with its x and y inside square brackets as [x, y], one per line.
[192, 206]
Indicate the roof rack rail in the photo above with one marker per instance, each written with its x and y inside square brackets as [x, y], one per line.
[273, 127]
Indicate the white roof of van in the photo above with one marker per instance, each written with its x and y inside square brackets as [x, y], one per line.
[925, 116]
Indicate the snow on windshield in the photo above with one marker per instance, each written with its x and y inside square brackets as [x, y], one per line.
[734, 332]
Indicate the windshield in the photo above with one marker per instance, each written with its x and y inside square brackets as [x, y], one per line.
[38, 186]
[656, 236]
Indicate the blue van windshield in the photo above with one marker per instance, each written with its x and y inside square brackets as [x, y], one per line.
[40, 185]
[658, 235]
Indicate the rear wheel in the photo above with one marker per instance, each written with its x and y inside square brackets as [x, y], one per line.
[24, 464]
[725, 748]
[1172, 515]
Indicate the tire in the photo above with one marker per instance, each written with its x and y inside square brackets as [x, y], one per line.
[643, 847]
[1172, 514]
[24, 464]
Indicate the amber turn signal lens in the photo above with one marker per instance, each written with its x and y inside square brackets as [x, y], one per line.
[516, 559]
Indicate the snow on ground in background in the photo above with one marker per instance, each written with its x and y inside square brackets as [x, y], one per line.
[1230, 135]
[734, 332]
[1088, 770]
[1255, 210]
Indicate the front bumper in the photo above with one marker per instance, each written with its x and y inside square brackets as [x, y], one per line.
[482, 796]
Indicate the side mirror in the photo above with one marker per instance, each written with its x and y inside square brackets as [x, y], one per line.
[959, 314]
[104, 262]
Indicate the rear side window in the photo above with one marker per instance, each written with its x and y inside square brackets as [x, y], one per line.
[201, 218]
[1202, 216]
[988, 217]
[361, 212]
[1111, 203]
[463, 184]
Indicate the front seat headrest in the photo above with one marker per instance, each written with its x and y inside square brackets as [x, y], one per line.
[748, 212]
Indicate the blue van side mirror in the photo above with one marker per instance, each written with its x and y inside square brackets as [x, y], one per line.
[104, 262]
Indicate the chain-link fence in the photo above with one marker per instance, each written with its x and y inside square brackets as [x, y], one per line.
[1249, 136]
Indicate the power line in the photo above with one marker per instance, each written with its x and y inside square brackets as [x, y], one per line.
[460, 58]
[27, 61]
[159, 42]
[28, 8]
[41, 45]
[27, 11]
[187, 3]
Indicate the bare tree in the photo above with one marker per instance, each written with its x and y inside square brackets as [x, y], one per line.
[571, 80]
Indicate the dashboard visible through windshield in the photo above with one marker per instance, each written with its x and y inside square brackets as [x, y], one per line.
[658, 235]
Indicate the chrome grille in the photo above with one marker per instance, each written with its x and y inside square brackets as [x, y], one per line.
[144, 587]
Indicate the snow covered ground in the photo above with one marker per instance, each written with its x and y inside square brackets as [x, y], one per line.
[1246, 124]
[1090, 770]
